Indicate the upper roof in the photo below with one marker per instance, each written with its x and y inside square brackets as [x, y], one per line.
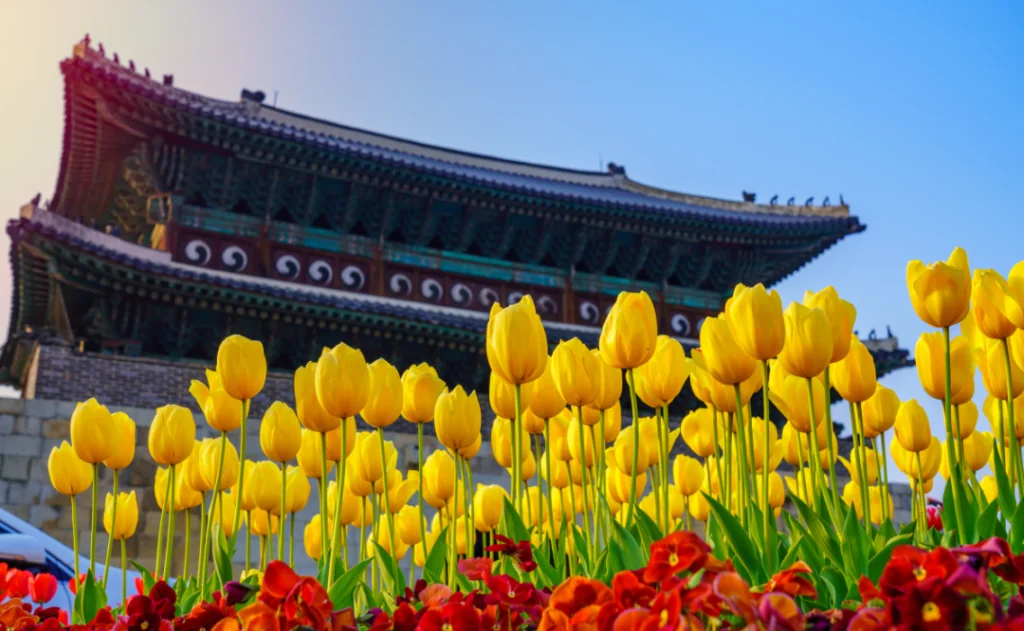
[594, 188]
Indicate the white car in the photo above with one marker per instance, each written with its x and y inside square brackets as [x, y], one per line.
[26, 547]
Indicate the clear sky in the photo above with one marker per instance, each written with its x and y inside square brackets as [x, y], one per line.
[911, 111]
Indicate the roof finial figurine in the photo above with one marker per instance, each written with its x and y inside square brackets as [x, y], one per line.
[749, 197]
[117, 59]
[810, 200]
[99, 49]
[826, 201]
[842, 202]
[616, 169]
[147, 74]
[87, 40]
[131, 65]
[774, 200]
[888, 331]
[168, 79]
[35, 200]
[791, 201]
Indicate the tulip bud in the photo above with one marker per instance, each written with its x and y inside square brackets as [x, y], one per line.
[248, 499]
[854, 375]
[468, 453]
[438, 479]
[298, 490]
[699, 507]
[698, 432]
[92, 432]
[870, 475]
[222, 411]
[384, 404]
[420, 389]
[841, 316]
[586, 454]
[185, 497]
[127, 515]
[808, 349]
[630, 331]
[69, 474]
[407, 525]
[545, 400]
[516, 343]
[309, 455]
[662, 378]
[977, 449]
[687, 474]
[457, 418]
[906, 460]
[755, 319]
[263, 524]
[422, 550]
[930, 357]
[311, 538]
[242, 367]
[532, 424]
[227, 524]
[576, 372]
[998, 309]
[912, 429]
[992, 362]
[334, 439]
[265, 482]
[757, 429]
[558, 430]
[624, 452]
[941, 292]
[342, 381]
[489, 504]
[210, 461]
[192, 469]
[172, 435]
[880, 411]
[122, 442]
[371, 466]
[723, 358]
[700, 378]
[399, 491]
[990, 488]
[311, 414]
[501, 441]
[502, 396]
[789, 394]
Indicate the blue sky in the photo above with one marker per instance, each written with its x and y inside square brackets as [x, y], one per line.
[911, 111]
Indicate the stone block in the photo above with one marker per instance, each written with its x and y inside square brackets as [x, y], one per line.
[64, 409]
[21, 446]
[3, 491]
[24, 493]
[28, 425]
[151, 522]
[6, 424]
[43, 517]
[41, 408]
[56, 428]
[12, 406]
[37, 471]
[21, 512]
[16, 468]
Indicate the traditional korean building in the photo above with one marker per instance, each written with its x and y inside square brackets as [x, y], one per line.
[178, 219]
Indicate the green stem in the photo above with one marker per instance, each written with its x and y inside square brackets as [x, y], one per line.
[551, 502]
[263, 549]
[248, 539]
[169, 501]
[472, 509]
[291, 540]
[336, 536]
[203, 541]
[517, 450]
[954, 468]
[959, 437]
[423, 517]
[74, 532]
[241, 469]
[1009, 397]
[124, 574]
[284, 511]
[743, 464]
[583, 479]
[765, 459]
[92, 527]
[602, 476]
[188, 541]
[110, 535]
[727, 425]
[723, 488]
[831, 448]
[159, 536]
[813, 439]
[802, 479]
[666, 471]
[923, 514]
[326, 552]
[862, 483]
[636, 446]
[468, 518]
[387, 491]
[206, 543]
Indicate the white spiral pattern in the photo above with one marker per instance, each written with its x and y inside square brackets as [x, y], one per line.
[488, 297]
[197, 251]
[352, 277]
[547, 305]
[461, 294]
[400, 284]
[320, 272]
[234, 258]
[287, 265]
[514, 297]
[680, 324]
[432, 290]
[589, 312]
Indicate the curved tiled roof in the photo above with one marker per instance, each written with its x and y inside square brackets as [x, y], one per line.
[608, 190]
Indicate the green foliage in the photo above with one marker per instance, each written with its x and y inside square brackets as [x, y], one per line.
[342, 592]
[88, 601]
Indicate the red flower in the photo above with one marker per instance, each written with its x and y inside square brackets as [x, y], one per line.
[910, 566]
[576, 594]
[679, 552]
[163, 597]
[521, 552]
[996, 555]
[42, 588]
[293, 600]
[937, 608]
[867, 590]
[506, 590]
[141, 614]
[205, 615]
[18, 583]
[779, 611]
[665, 613]
[630, 592]
[140, 585]
[934, 516]
[793, 581]
[454, 616]
[476, 569]
[735, 593]
[434, 595]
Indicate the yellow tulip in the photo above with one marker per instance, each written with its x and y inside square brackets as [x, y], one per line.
[941, 292]
[660, 380]
[399, 491]
[612, 421]
[723, 397]
[688, 475]
[280, 432]
[384, 404]
[757, 428]
[699, 507]
[248, 499]
[502, 396]
[227, 523]
[185, 497]
[92, 432]
[586, 454]
[369, 459]
[977, 449]
[776, 491]
[421, 551]
[906, 461]
[853, 465]
[809, 345]
[501, 441]
[516, 343]
[311, 414]
[468, 453]
[407, 525]
[992, 362]
[122, 442]
[630, 331]
[723, 358]
[309, 455]
[127, 515]
[930, 353]
[265, 482]
[457, 418]
[788, 443]
[624, 452]
[192, 468]
[559, 428]
[576, 372]
[438, 479]
[222, 411]
[559, 476]
[880, 411]
[618, 485]
[912, 429]
[298, 490]
[609, 389]
[854, 375]
[998, 309]
[545, 399]
[242, 367]
[533, 424]
[698, 432]
[790, 396]
[841, 316]
[990, 488]
[803, 480]
[334, 440]
[489, 504]
[172, 435]
[210, 461]
[263, 523]
[69, 474]
[755, 319]
[351, 505]
[311, 538]
[966, 417]
[852, 497]
[700, 378]
[342, 381]
[529, 468]
[420, 389]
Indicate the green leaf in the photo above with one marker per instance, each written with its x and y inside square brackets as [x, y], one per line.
[88, 601]
[824, 538]
[836, 584]
[648, 530]
[883, 534]
[512, 525]
[433, 567]
[807, 550]
[580, 542]
[223, 552]
[1017, 530]
[342, 593]
[855, 548]
[986, 523]
[394, 582]
[881, 558]
[548, 574]
[633, 557]
[747, 558]
[793, 554]
[1006, 499]
[147, 577]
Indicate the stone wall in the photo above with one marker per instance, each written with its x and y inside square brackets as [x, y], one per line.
[31, 428]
